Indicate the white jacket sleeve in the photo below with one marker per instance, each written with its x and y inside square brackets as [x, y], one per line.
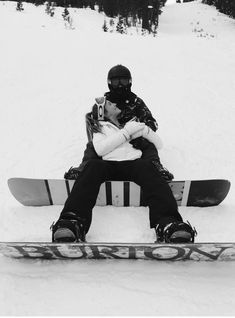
[105, 144]
[153, 137]
[150, 135]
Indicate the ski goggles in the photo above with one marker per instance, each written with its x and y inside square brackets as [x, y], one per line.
[99, 111]
[123, 81]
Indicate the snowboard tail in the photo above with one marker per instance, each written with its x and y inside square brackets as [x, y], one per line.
[133, 251]
[43, 192]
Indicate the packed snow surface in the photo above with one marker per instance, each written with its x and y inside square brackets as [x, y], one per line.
[49, 77]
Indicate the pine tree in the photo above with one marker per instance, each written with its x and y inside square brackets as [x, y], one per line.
[67, 19]
[65, 14]
[233, 10]
[19, 6]
[154, 31]
[47, 7]
[120, 26]
[37, 3]
[111, 23]
[52, 11]
[104, 27]
[50, 8]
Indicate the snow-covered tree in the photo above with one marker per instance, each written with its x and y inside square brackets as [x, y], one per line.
[19, 6]
[50, 8]
[65, 14]
[111, 23]
[120, 26]
[67, 19]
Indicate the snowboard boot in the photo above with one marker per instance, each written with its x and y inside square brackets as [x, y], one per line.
[175, 232]
[68, 229]
[163, 171]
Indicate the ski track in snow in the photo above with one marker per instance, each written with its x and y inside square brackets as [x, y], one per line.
[50, 76]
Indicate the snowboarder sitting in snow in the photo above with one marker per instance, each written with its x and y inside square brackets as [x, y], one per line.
[119, 83]
[120, 161]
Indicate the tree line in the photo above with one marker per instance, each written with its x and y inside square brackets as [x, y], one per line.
[146, 11]
[224, 6]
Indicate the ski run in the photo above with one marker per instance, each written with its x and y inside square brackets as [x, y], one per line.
[49, 77]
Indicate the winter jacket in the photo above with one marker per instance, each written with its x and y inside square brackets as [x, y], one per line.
[134, 106]
[112, 144]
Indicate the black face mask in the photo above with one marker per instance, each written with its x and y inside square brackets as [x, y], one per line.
[119, 94]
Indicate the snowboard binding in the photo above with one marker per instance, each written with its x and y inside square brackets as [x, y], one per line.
[69, 228]
[175, 232]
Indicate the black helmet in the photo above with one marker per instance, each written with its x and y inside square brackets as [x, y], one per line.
[121, 92]
[119, 71]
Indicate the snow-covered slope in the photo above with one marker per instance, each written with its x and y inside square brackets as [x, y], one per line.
[49, 77]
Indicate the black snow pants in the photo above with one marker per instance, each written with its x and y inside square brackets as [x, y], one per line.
[157, 193]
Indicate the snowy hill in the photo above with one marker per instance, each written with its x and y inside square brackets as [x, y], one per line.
[49, 76]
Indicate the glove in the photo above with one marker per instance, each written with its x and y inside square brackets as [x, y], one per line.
[132, 127]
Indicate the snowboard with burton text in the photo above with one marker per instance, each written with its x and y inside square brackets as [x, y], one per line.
[120, 251]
